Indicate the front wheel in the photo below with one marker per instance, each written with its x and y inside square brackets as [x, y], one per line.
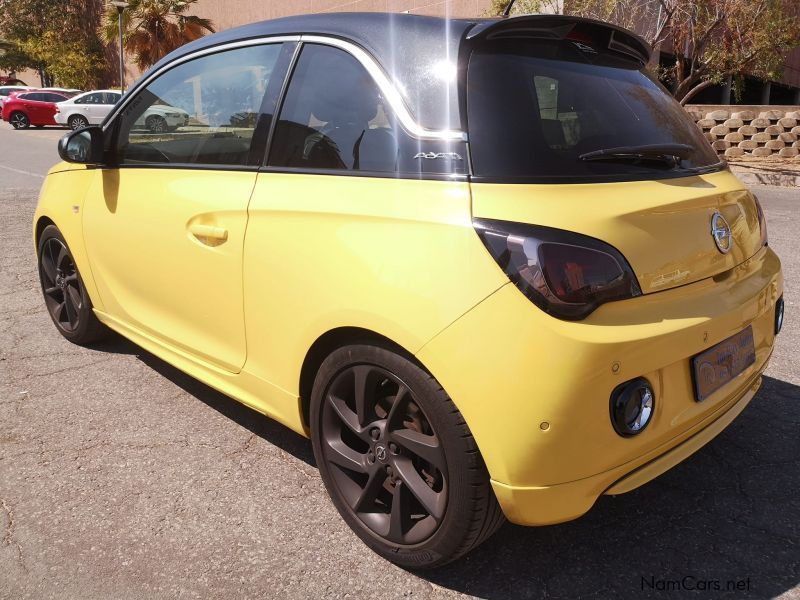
[398, 460]
[19, 120]
[64, 293]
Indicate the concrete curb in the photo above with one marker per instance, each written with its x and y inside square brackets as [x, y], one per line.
[777, 178]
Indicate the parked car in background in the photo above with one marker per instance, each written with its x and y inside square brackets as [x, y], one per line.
[89, 108]
[161, 118]
[7, 90]
[35, 108]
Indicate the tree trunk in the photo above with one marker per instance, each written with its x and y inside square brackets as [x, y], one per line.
[694, 91]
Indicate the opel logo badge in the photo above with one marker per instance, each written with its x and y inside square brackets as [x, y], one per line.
[721, 232]
[380, 452]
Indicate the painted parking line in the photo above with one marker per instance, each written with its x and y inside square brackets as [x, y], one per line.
[22, 172]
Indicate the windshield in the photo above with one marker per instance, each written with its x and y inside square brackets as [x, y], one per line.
[536, 108]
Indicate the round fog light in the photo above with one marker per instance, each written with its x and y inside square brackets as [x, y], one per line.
[632, 406]
[779, 315]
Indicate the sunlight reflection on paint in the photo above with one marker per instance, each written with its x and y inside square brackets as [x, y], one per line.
[444, 70]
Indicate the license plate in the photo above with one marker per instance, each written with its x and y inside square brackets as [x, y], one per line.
[719, 364]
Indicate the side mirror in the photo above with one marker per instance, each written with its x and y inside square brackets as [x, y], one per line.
[82, 146]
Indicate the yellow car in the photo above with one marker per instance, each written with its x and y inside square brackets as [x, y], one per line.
[489, 267]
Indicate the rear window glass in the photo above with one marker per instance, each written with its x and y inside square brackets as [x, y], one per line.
[536, 108]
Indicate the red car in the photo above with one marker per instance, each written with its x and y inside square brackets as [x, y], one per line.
[35, 107]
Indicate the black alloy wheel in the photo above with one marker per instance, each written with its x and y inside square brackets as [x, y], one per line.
[78, 122]
[397, 458]
[19, 120]
[65, 297]
[389, 464]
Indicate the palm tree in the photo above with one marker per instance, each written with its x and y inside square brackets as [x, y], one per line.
[154, 28]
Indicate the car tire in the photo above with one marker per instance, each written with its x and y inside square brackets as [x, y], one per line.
[77, 122]
[19, 120]
[405, 474]
[65, 296]
[156, 124]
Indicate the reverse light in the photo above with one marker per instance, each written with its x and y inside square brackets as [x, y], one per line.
[566, 274]
[632, 405]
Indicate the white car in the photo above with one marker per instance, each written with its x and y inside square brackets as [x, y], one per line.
[161, 118]
[92, 107]
[89, 108]
[5, 90]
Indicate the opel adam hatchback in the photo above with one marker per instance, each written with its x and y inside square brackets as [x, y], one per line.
[489, 267]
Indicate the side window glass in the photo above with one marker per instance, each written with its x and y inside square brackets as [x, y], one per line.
[84, 100]
[200, 112]
[334, 117]
[111, 98]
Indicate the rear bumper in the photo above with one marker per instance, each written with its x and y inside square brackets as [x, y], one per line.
[558, 503]
[535, 390]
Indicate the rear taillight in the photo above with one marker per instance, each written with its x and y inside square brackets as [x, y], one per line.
[566, 274]
[762, 222]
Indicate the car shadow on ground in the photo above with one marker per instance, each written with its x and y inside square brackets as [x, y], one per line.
[724, 523]
[264, 427]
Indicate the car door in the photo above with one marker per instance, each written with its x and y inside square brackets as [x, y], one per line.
[164, 227]
[47, 108]
[81, 106]
[33, 104]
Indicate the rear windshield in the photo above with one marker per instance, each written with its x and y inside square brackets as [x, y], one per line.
[535, 107]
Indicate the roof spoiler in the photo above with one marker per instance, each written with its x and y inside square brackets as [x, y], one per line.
[559, 27]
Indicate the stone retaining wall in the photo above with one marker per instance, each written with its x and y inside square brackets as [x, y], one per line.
[761, 131]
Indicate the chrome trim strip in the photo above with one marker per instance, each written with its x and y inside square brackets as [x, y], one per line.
[388, 90]
[198, 54]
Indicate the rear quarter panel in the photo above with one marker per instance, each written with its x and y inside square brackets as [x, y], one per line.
[395, 256]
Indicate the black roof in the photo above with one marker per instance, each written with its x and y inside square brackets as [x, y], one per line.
[408, 47]
[405, 46]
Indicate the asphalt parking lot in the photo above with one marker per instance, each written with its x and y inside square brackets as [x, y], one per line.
[120, 477]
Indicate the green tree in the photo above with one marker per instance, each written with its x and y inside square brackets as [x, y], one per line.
[58, 39]
[152, 29]
[712, 39]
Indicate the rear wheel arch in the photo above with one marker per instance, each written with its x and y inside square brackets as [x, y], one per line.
[332, 340]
